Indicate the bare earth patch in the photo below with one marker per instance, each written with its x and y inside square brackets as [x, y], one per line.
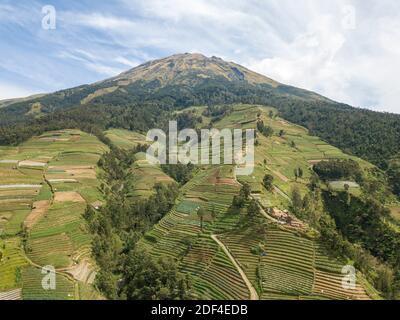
[68, 196]
[82, 173]
[28, 163]
[82, 272]
[11, 295]
[395, 211]
[39, 210]
[314, 161]
[63, 180]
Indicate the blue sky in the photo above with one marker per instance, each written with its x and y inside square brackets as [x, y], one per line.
[347, 50]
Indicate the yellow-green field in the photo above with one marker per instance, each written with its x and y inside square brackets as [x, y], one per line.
[125, 139]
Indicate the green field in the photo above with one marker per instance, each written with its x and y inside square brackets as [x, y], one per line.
[36, 181]
[125, 139]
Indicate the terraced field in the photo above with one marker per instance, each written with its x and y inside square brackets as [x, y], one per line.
[146, 176]
[125, 139]
[46, 184]
[179, 236]
[281, 263]
[32, 286]
[277, 156]
[287, 266]
[11, 264]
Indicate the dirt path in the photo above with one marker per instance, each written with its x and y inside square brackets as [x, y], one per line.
[253, 292]
[265, 214]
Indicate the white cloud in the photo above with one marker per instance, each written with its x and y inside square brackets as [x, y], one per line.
[100, 21]
[127, 62]
[103, 69]
[317, 45]
[9, 91]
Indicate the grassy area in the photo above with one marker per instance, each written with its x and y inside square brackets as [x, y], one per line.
[146, 176]
[11, 263]
[125, 139]
[32, 288]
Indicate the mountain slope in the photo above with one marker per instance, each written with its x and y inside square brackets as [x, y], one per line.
[184, 71]
[185, 80]
[283, 259]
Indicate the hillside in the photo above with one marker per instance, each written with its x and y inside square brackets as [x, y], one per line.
[46, 184]
[277, 252]
[281, 260]
[282, 252]
[144, 97]
[78, 193]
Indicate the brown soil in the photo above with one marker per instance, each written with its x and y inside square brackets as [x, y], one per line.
[39, 210]
[28, 163]
[69, 196]
[82, 173]
[314, 161]
[81, 272]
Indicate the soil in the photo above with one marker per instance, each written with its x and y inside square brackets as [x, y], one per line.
[69, 196]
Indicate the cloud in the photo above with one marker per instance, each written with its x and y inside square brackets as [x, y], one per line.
[100, 21]
[127, 62]
[8, 91]
[347, 49]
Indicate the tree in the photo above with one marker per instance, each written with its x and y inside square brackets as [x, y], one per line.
[201, 213]
[245, 191]
[281, 133]
[144, 278]
[313, 184]
[271, 114]
[267, 131]
[300, 173]
[238, 201]
[253, 208]
[297, 202]
[268, 182]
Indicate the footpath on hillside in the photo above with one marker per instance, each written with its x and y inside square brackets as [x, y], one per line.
[252, 290]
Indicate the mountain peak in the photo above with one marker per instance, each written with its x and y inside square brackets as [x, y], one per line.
[188, 69]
